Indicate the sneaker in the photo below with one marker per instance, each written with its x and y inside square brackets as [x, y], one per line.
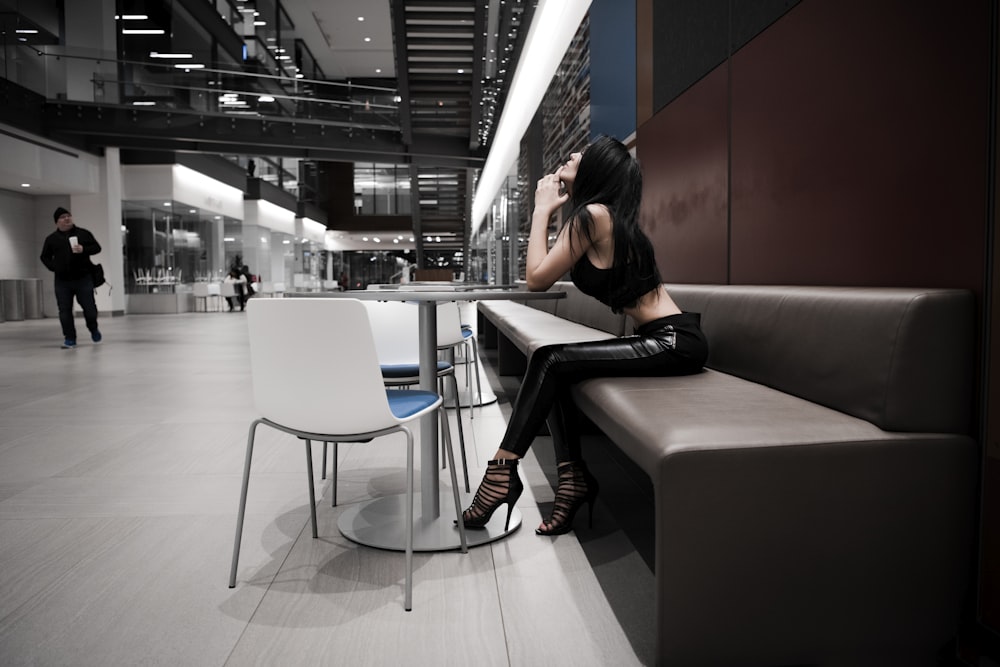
[96, 336]
[69, 344]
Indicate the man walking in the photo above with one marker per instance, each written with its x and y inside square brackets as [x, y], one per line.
[66, 252]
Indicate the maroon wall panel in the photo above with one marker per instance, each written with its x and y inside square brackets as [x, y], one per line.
[683, 152]
[858, 146]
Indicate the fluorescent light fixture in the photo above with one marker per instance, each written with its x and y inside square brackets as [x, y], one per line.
[166, 203]
[133, 17]
[260, 22]
[265, 98]
[154, 54]
[139, 103]
[25, 185]
[189, 65]
[26, 31]
[229, 239]
[551, 31]
[141, 31]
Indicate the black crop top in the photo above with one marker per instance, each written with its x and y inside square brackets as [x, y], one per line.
[598, 283]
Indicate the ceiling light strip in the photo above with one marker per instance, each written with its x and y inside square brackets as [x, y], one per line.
[550, 34]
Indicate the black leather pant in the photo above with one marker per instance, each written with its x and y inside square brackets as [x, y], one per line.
[671, 345]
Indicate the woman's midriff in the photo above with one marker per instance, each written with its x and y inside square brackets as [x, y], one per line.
[652, 306]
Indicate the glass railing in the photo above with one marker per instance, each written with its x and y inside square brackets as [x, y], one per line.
[176, 85]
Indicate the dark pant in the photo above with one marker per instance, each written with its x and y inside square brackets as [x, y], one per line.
[83, 290]
[671, 345]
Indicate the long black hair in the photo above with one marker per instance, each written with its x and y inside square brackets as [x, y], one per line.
[609, 175]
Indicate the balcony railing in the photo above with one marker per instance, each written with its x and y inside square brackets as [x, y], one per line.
[177, 85]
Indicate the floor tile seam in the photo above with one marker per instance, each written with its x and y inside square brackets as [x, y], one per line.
[267, 589]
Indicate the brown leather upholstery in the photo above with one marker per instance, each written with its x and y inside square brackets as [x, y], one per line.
[790, 532]
[816, 486]
[899, 358]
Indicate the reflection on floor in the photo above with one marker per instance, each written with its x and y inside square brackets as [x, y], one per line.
[120, 468]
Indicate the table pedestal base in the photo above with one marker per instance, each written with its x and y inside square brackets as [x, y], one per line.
[379, 523]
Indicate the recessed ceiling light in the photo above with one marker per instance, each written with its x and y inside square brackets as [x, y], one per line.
[378, 70]
[368, 39]
[166, 203]
[25, 185]
[361, 18]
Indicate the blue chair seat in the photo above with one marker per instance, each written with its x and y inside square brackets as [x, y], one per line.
[397, 371]
[407, 402]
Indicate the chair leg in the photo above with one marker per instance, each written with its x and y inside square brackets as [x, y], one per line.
[333, 484]
[443, 457]
[323, 472]
[243, 503]
[454, 481]
[468, 381]
[408, 594]
[312, 489]
[475, 355]
[461, 434]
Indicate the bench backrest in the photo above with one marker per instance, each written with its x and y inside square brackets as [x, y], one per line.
[901, 358]
[580, 308]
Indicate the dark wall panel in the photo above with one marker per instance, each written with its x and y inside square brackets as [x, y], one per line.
[858, 146]
[691, 39]
[683, 154]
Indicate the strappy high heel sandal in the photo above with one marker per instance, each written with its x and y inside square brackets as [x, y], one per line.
[500, 485]
[576, 487]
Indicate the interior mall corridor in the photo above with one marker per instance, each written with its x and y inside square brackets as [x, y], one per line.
[120, 468]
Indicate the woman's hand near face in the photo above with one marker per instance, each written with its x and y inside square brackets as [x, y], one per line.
[548, 195]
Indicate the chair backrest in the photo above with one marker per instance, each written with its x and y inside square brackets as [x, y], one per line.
[449, 324]
[314, 366]
[395, 330]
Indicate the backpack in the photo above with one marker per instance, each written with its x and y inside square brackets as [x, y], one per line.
[97, 275]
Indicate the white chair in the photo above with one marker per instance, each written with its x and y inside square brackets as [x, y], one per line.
[452, 334]
[332, 337]
[228, 291]
[200, 291]
[395, 328]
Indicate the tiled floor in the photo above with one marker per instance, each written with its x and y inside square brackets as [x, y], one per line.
[120, 469]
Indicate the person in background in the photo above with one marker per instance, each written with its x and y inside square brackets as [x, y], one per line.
[239, 281]
[248, 287]
[66, 252]
[610, 258]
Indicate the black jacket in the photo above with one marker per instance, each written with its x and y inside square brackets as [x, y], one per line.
[58, 256]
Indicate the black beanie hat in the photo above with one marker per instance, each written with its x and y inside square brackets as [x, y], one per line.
[59, 211]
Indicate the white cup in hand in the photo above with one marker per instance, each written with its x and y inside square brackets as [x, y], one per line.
[73, 241]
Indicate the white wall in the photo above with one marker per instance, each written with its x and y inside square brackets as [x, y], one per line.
[19, 244]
